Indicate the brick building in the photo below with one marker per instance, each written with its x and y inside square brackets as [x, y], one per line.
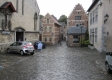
[18, 21]
[77, 18]
[51, 30]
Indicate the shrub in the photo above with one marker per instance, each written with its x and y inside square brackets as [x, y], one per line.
[91, 44]
[84, 42]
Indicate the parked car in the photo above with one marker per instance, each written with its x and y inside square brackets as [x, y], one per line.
[108, 62]
[36, 45]
[21, 47]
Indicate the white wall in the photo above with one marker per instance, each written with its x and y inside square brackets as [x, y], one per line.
[98, 25]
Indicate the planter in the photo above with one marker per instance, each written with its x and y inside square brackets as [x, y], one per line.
[91, 47]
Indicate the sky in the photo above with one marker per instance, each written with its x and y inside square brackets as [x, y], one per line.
[61, 7]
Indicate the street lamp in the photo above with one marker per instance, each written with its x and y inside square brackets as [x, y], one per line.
[106, 17]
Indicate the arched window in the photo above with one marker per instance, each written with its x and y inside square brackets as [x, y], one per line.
[22, 7]
[35, 21]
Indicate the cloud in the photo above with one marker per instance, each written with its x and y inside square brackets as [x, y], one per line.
[60, 7]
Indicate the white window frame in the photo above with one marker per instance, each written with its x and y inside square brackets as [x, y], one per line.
[96, 31]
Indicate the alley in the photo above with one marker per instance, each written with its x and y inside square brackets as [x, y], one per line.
[55, 63]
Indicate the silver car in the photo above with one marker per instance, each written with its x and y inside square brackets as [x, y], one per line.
[21, 47]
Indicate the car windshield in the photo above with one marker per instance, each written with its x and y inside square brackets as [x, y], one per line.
[27, 43]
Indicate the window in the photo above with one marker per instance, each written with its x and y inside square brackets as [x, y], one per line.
[35, 21]
[95, 34]
[77, 17]
[78, 12]
[93, 16]
[91, 35]
[14, 44]
[47, 21]
[50, 29]
[96, 15]
[76, 39]
[77, 24]
[19, 43]
[22, 7]
[50, 39]
[45, 39]
[91, 19]
[17, 5]
[45, 29]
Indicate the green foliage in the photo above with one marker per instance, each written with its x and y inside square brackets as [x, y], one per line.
[84, 42]
[41, 16]
[91, 44]
[63, 18]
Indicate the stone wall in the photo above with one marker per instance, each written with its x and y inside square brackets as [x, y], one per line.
[6, 38]
[24, 20]
[31, 37]
[3, 47]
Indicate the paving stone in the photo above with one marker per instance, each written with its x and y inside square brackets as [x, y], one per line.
[55, 63]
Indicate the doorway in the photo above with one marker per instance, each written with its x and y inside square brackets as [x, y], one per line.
[19, 36]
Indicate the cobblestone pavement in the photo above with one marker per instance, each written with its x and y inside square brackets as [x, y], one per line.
[55, 63]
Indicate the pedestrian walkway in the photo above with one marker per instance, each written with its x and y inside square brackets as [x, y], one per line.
[71, 63]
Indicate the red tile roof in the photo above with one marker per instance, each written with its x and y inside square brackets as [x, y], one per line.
[8, 5]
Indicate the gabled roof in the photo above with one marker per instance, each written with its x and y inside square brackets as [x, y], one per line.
[62, 24]
[8, 5]
[76, 8]
[53, 18]
[92, 5]
[76, 30]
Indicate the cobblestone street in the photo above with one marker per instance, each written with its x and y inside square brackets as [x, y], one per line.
[55, 63]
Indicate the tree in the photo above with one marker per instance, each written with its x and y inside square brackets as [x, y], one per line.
[63, 18]
[41, 16]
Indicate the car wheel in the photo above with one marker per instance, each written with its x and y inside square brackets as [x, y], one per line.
[21, 52]
[8, 51]
[107, 68]
[32, 53]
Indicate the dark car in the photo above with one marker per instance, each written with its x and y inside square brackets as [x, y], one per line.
[36, 45]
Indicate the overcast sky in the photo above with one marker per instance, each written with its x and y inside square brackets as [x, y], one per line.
[60, 7]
